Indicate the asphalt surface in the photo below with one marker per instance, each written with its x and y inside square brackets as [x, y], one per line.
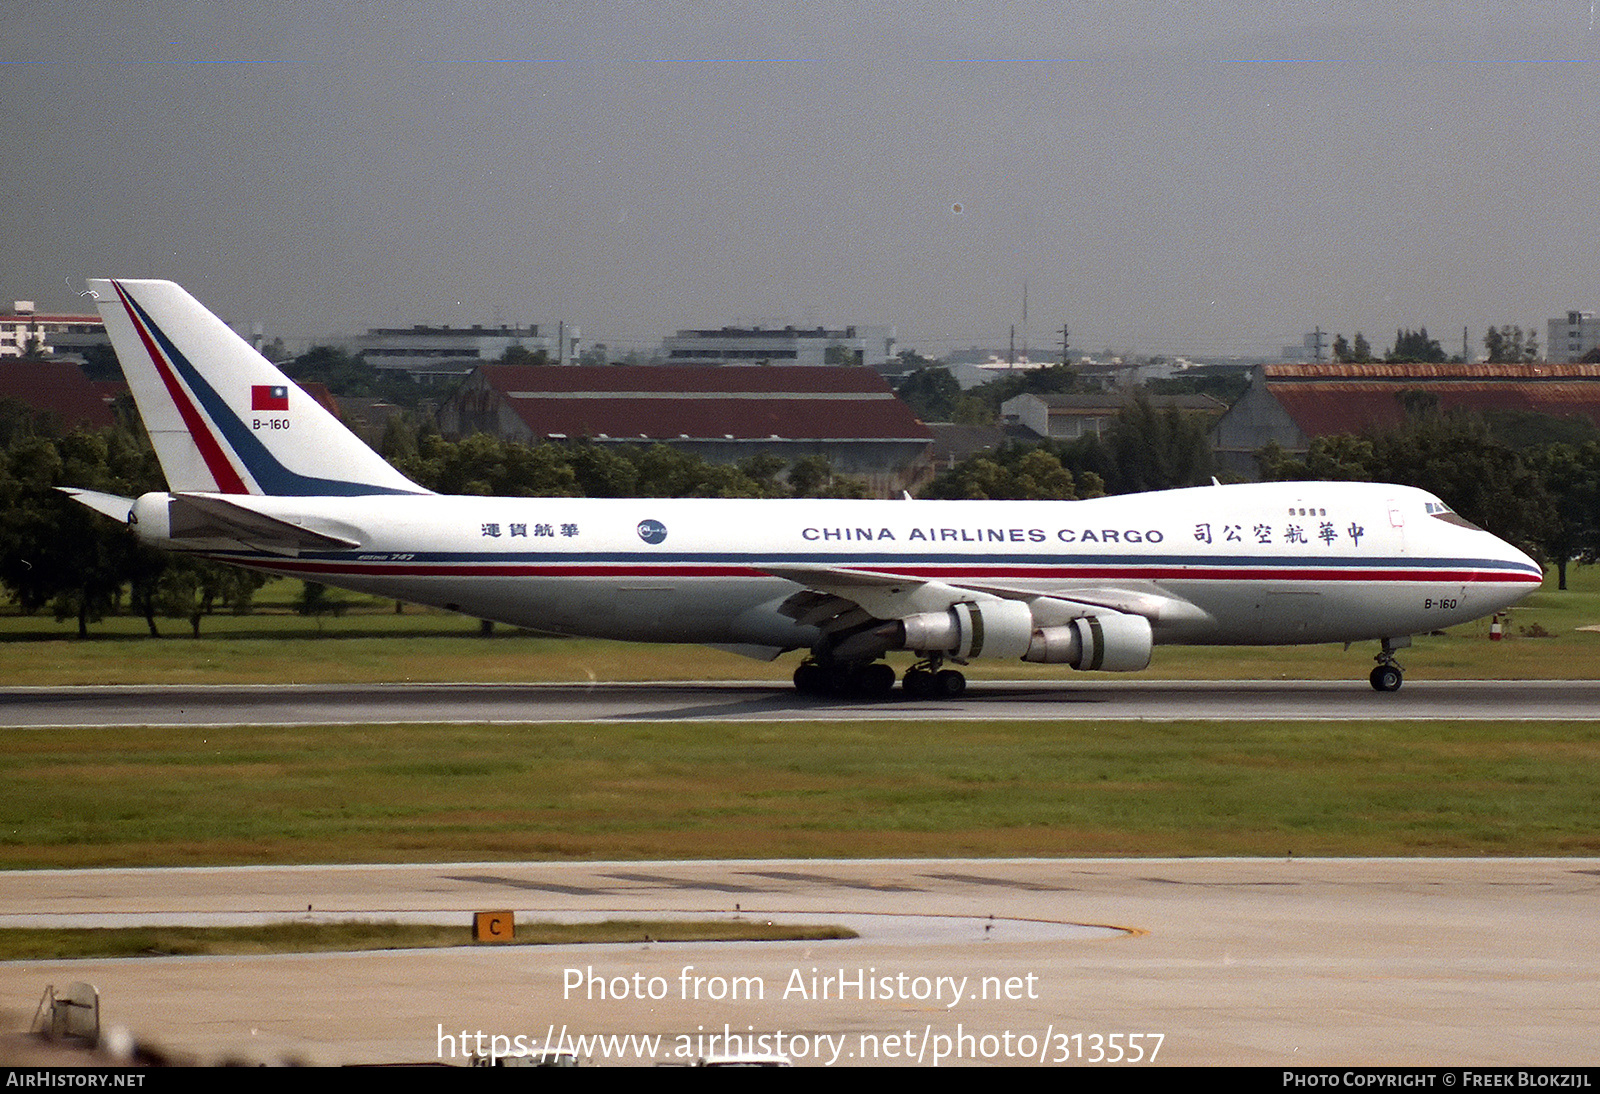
[531, 703]
[1417, 962]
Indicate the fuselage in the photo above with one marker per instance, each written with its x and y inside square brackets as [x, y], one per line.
[1257, 564]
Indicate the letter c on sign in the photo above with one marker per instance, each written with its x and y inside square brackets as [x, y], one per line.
[494, 926]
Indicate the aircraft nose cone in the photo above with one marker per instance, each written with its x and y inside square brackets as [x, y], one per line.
[1523, 572]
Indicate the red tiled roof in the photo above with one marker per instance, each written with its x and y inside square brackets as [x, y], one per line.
[706, 402]
[1412, 371]
[319, 391]
[76, 320]
[1329, 399]
[59, 387]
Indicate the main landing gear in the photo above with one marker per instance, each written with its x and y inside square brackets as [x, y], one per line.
[875, 679]
[846, 679]
[1388, 675]
[926, 680]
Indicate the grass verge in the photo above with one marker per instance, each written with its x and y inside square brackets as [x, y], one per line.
[370, 643]
[162, 796]
[18, 944]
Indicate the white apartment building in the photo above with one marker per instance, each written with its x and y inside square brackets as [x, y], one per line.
[439, 354]
[1570, 338]
[869, 346]
[23, 327]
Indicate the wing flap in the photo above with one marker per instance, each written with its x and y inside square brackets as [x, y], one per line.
[895, 596]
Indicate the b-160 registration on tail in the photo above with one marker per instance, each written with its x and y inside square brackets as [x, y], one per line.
[262, 476]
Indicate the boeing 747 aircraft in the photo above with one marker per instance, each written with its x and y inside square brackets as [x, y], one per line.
[259, 474]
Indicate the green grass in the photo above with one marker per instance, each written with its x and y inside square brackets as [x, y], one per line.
[371, 644]
[142, 797]
[20, 944]
[151, 797]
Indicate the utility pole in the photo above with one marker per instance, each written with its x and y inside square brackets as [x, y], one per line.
[1066, 346]
[1025, 319]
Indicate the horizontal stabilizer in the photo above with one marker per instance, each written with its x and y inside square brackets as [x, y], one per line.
[114, 506]
[199, 516]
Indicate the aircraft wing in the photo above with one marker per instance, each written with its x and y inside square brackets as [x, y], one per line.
[832, 591]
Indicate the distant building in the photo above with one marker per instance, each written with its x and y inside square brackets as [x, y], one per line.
[23, 327]
[869, 346]
[722, 414]
[1292, 404]
[954, 443]
[1068, 417]
[970, 374]
[1572, 338]
[443, 354]
[1314, 346]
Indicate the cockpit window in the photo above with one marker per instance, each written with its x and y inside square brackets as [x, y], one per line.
[1445, 513]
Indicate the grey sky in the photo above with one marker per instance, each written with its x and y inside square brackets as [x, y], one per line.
[349, 165]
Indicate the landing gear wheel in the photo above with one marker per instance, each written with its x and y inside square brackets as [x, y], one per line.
[917, 683]
[949, 684]
[811, 679]
[1387, 678]
[874, 681]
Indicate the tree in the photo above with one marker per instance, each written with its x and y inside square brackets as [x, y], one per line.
[1571, 475]
[352, 376]
[1150, 449]
[193, 588]
[1014, 473]
[931, 393]
[1509, 345]
[1452, 456]
[100, 363]
[1415, 346]
[1340, 458]
[521, 355]
[814, 477]
[53, 551]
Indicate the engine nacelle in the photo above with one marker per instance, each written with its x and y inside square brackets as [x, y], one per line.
[1114, 642]
[987, 628]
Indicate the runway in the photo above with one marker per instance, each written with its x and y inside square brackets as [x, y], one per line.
[1102, 700]
[1283, 963]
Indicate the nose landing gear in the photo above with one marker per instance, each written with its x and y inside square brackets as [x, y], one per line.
[1388, 676]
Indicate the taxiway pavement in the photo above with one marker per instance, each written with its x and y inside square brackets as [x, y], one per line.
[1425, 962]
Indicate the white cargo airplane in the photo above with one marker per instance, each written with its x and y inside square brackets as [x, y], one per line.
[262, 476]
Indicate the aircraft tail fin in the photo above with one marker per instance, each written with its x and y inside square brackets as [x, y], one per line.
[224, 419]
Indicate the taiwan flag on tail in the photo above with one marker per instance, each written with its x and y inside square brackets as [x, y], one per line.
[269, 397]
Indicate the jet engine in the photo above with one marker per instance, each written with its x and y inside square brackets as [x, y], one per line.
[989, 628]
[1003, 629]
[1114, 642]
